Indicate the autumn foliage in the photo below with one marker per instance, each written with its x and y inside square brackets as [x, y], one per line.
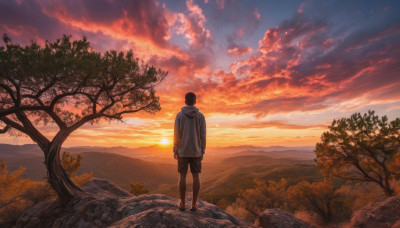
[361, 148]
[18, 194]
[269, 194]
[360, 159]
[137, 188]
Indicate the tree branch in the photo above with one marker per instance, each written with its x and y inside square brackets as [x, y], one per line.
[32, 132]
[15, 109]
[48, 86]
[9, 91]
[34, 98]
[17, 88]
[61, 124]
[5, 129]
[60, 96]
[13, 124]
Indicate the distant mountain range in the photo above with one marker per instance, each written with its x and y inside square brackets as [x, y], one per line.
[262, 148]
[295, 154]
[156, 152]
[9, 150]
[227, 170]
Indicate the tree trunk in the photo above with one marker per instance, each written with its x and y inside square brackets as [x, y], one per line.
[57, 177]
[388, 191]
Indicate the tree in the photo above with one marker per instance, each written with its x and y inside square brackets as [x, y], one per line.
[361, 148]
[68, 83]
[264, 195]
[137, 188]
[317, 197]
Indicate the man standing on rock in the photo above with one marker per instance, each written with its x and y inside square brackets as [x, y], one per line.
[189, 147]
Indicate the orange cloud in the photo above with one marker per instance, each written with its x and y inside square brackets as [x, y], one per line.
[143, 22]
[301, 65]
[280, 125]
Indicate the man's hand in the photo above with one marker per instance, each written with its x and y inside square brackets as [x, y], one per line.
[201, 158]
[176, 156]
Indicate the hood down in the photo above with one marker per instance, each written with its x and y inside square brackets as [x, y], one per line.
[190, 111]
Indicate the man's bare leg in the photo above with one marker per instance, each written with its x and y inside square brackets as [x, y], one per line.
[182, 189]
[196, 188]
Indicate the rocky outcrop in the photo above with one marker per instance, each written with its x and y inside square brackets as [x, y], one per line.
[381, 213]
[276, 218]
[161, 211]
[114, 207]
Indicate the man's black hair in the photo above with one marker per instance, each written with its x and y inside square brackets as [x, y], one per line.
[190, 98]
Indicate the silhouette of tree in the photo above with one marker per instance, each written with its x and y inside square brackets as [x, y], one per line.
[68, 83]
[361, 148]
[137, 188]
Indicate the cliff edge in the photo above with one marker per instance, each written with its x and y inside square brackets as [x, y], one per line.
[114, 207]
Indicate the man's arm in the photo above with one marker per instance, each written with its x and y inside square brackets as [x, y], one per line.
[177, 136]
[203, 136]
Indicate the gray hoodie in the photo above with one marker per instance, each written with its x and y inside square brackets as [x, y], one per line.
[189, 133]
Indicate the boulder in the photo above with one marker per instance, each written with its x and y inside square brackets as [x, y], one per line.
[381, 213]
[277, 218]
[103, 189]
[114, 207]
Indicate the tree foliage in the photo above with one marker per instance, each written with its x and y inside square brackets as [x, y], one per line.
[8, 181]
[361, 148]
[17, 194]
[263, 195]
[71, 163]
[363, 151]
[137, 188]
[316, 197]
[70, 84]
[44, 81]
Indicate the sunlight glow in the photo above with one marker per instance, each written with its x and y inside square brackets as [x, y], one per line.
[164, 141]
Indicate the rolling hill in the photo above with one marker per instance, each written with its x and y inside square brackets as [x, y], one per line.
[224, 173]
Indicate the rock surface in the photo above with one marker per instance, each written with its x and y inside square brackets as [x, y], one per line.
[161, 211]
[277, 218]
[112, 206]
[381, 213]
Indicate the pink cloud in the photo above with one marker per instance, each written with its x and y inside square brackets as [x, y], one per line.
[192, 26]
[299, 66]
[257, 14]
[236, 52]
[143, 21]
[221, 4]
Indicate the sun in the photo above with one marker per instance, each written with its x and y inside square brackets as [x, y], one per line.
[164, 141]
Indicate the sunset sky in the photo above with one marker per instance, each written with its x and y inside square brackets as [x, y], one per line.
[265, 72]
